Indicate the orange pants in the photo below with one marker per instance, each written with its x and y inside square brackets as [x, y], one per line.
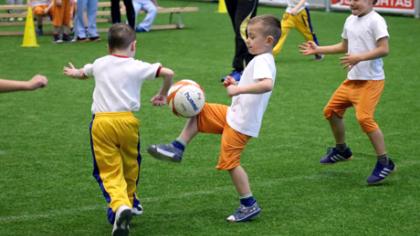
[363, 95]
[62, 15]
[212, 119]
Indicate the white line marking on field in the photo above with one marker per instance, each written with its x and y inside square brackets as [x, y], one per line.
[72, 211]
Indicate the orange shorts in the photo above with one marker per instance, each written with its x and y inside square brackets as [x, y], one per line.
[39, 10]
[363, 95]
[62, 15]
[212, 119]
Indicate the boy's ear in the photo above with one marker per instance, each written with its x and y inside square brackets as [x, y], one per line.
[133, 45]
[269, 39]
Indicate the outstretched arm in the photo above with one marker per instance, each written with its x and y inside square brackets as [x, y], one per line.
[310, 48]
[381, 50]
[73, 72]
[262, 86]
[160, 98]
[38, 81]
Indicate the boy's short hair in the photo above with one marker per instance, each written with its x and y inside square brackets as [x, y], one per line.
[272, 26]
[120, 36]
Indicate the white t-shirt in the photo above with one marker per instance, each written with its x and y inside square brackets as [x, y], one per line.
[246, 111]
[362, 33]
[292, 3]
[118, 82]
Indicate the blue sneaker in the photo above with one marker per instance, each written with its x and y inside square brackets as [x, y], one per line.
[165, 152]
[244, 213]
[380, 172]
[235, 74]
[333, 156]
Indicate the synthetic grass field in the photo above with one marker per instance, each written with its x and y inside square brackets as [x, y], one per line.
[46, 187]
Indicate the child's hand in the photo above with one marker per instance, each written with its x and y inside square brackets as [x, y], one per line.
[308, 48]
[58, 3]
[72, 71]
[293, 12]
[158, 100]
[38, 81]
[348, 61]
[229, 81]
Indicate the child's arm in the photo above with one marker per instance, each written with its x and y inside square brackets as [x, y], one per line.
[262, 86]
[381, 50]
[46, 10]
[160, 98]
[38, 81]
[310, 48]
[73, 72]
[294, 11]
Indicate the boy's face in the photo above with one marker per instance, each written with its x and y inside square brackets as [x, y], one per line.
[360, 7]
[257, 42]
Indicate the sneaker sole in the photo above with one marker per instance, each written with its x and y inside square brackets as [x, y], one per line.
[124, 219]
[329, 163]
[154, 153]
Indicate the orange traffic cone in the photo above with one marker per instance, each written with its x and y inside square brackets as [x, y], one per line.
[29, 36]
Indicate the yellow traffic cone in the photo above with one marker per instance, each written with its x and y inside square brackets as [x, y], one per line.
[222, 7]
[29, 36]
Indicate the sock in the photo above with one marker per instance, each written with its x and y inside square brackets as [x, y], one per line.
[247, 200]
[179, 145]
[383, 159]
[341, 147]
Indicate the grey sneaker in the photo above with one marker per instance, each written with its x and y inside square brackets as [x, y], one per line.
[122, 221]
[165, 152]
[244, 213]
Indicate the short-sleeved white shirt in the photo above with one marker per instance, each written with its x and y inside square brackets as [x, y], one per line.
[246, 111]
[292, 3]
[362, 34]
[118, 82]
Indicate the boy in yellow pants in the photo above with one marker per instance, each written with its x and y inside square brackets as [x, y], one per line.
[297, 16]
[114, 129]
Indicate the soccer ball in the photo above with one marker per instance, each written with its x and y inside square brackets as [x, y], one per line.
[186, 98]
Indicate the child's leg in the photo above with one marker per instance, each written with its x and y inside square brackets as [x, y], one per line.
[337, 128]
[304, 26]
[151, 10]
[287, 23]
[108, 163]
[240, 180]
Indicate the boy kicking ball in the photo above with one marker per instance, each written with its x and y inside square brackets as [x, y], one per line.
[242, 120]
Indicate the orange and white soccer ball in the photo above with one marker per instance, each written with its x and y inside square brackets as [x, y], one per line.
[186, 98]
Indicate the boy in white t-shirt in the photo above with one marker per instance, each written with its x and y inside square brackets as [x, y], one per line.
[114, 129]
[365, 41]
[242, 120]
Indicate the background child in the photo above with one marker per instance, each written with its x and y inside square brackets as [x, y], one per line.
[61, 11]
[296, 16]
[40, 10]
[151, 9]
[114, 129]
[365, 41]
[242, 120]
[37, 81]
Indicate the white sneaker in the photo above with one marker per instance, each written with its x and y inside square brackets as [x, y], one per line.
[137, 210]
[122, 221]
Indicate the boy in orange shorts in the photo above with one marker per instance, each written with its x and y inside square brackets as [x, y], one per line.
[365, 41]
[242, 120]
